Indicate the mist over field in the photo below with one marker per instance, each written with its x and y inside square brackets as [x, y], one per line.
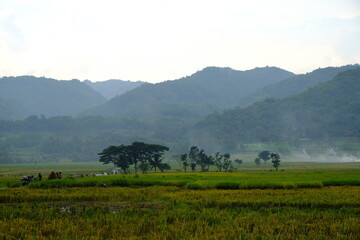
[329, 155]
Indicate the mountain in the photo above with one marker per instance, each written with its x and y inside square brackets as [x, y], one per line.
[189, 98]
[28, 95]
[294, 85]
[112, 88]
[7, 109]
[328, 110]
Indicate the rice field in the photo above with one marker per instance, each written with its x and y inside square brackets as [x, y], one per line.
[322, 202]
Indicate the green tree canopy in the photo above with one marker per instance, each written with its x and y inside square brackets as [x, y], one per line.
[123, 156]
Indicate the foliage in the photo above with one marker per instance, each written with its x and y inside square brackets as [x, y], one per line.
[147, 155]
[238, 161]
[328, 110]
[189, 98]
[46, 96]
[184, 160]
[144, 167]
[227, 162]
[275, 159]
[199, 157]
[218, 161]
[295, 84]
[193, 156]
[264, 155]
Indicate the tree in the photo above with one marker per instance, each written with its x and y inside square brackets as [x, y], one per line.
[118, 155]
[227, 162]
[144, 167]
[155, 161]
[147, 155]
[193, 156]
[155, 154]
[204, 161]
[140, 152]
[257, 161]
[218, 161]
[137, 153]
[275, 159]
[223, 162]
[238, 161]
[184, 160]
[264, 155]
[164, 166]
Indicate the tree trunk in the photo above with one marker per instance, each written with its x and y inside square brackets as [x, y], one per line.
[135, 166]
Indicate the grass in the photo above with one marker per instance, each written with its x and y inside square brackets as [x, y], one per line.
[293, 176]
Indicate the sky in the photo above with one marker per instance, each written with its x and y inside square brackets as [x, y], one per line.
[162, 40]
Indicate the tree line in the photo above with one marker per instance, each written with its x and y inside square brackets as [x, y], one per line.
[145, 156]
[198, 157]
[266, 156]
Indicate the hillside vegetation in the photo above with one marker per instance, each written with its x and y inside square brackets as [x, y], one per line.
[330, 109]
[189, 98]
[172, 114]
[294, 85]
[28, 95]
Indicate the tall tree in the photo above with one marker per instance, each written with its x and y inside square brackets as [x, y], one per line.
[134, 154]
[184, 160]
[193, 156]
[118, 155]
[204, 161]
[218, 161]
[275, 159]
[264, 155]
[227, 162]
[154, 155]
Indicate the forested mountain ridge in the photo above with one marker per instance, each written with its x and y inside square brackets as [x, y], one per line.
[191, 97]
[7, 109]
[112, 88]
[330, 109]
[294, 85]
[29, 95]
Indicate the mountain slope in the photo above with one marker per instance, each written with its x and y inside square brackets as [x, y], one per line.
[191, 97]
[7, 109]
[29, 95]
[112, 88]
[294, 85]
[330, 109]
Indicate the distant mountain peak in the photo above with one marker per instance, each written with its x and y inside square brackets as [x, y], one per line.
[113, 87]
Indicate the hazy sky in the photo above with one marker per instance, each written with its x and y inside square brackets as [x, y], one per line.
[153, 40]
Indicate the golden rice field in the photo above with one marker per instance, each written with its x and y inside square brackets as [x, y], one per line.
[296, 204]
